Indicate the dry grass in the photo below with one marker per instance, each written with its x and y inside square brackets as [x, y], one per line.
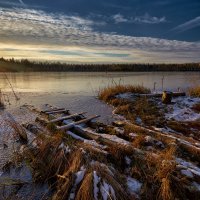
[164, 173]
[141, 107]
[85, 191]
[113, 178]
[110, 92]
[50, 158]
[139, 141]
[195, 91]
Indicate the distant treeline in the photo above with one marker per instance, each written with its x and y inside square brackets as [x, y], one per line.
[25, 65]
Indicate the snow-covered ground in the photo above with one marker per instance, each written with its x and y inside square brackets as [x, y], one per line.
[181, 109]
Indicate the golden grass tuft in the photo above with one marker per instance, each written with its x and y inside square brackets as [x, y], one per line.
[165, 192]
[50, 158]
[76, 161]
[165, 168]
[195, 91]
[85, 191]
[110, 92]
[139, 141]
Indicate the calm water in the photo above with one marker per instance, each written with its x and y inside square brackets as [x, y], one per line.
[88, 83]
[77, 91]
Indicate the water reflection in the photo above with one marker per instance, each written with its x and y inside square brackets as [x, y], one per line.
[89, 83]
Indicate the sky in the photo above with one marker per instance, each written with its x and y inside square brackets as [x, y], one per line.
[104, 31]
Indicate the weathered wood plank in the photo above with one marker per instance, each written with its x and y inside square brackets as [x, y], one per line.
[71, 125]
[66, 117]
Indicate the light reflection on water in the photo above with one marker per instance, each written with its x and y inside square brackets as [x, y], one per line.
[89, 83]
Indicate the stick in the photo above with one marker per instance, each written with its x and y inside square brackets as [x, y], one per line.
[66, 117]
[71, 125]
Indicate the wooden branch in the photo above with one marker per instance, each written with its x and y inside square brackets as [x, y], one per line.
[71, 125]
[66, 117]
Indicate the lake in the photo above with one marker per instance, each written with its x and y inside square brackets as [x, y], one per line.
[77, 91]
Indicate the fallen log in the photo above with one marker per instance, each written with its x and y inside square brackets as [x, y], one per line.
[71, 125]
[66, 117]
[85, 134]
[182, 143]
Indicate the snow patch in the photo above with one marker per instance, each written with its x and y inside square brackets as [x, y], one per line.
[189, 166]
[134, 186]
[96, 180]
[128, 160]
[106, 189]
[181, 110]
[127, 95]
[187, 173]
[79, 177]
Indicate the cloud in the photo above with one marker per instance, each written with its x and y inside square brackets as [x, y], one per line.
[145, 19]
[118, 18]
[188, 25]
[40, 31]
[20, 1]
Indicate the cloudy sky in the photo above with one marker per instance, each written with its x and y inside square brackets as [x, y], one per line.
[103, 31]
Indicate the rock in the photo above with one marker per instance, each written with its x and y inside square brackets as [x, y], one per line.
[167, 97]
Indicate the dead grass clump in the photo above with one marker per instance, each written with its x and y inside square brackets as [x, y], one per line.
[118, 102]
[85, 191]
[147, 111]
[165, 168]
[66, 179]
[131, 128]
[110, 92]
[165, 190]
[114, 179]
[50, 160]
[195, 91]
[117, 154]
[123, 110]
[139, 141]
[77, 159]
